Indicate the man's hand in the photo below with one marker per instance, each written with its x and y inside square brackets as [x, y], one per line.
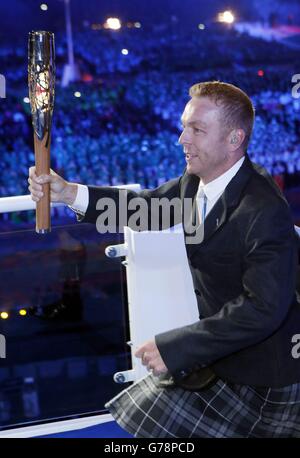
[60, 189]
[151, 358]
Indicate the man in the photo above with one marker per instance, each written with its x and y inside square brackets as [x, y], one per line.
[233, 373]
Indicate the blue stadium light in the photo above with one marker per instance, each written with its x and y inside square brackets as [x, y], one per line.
[44, 7]
[124, 52]
[77, 94]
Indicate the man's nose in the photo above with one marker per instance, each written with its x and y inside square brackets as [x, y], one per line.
[184, 137]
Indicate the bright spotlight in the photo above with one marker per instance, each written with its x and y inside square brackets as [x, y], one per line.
[112, 23]
[226, 16]
[23, 312]
[4, 315]
[124, 52]
[201, 26]
[44, 7]
[26, 100]
[77, 94]
[137, 25]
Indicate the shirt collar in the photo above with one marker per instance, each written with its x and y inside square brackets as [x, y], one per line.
[214, 188]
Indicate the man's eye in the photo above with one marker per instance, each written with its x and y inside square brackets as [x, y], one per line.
[196, 130]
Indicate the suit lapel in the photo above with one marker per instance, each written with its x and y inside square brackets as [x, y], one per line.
[218, 215]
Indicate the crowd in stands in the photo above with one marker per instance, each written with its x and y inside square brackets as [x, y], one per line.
[125, 126]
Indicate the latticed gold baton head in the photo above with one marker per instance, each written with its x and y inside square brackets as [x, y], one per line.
[41, 82]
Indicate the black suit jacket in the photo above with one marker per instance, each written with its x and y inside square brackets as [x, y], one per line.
[244, 274]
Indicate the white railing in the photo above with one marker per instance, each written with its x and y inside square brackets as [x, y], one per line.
[22, 203]
[55, 427]
[19, 203]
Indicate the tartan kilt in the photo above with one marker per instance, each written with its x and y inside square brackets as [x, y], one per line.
[222, 410]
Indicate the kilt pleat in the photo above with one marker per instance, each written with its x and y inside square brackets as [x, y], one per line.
[146, 409]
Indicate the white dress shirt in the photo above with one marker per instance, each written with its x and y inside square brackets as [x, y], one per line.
[215, 188]
[81, 201]
[212, 190]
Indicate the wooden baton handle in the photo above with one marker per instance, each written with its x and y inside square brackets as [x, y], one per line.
[42, 165]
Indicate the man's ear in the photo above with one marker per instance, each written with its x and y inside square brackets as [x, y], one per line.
[236, 138]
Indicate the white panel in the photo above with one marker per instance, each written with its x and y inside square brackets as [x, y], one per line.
[160, 288]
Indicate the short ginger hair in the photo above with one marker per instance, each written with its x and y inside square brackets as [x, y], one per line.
[237, 109]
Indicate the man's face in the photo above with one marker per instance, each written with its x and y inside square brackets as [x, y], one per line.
[203, 139]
